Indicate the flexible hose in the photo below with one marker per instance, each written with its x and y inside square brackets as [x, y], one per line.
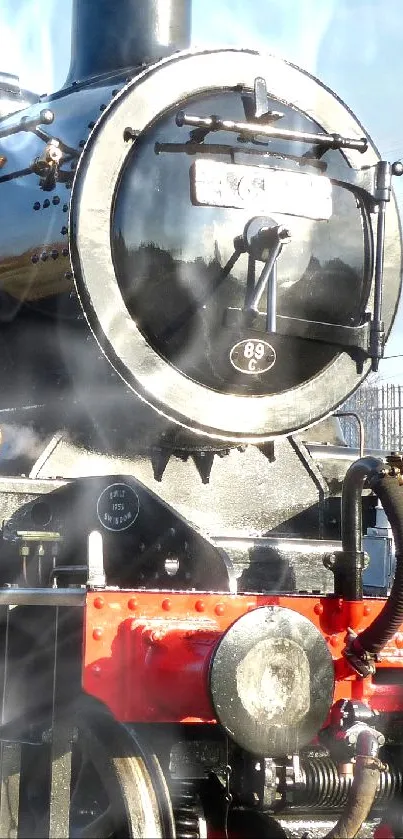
[389, 620]
[360, 799]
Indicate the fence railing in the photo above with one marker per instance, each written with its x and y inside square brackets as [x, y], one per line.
[381, 410]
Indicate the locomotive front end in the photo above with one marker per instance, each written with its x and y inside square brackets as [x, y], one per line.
[207, 263]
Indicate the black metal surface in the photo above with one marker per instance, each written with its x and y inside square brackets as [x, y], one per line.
[218, 508]
[110, 35]
[271, 681]
[145, 543]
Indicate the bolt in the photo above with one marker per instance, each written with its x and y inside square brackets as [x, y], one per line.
[99, 602]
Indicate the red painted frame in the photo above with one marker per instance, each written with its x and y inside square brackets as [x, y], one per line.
[147, 653]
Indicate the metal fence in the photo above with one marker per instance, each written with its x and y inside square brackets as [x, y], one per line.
[381, 410]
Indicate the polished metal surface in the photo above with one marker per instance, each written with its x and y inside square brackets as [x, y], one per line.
[110, 35]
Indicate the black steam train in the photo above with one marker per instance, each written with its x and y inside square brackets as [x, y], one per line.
[200, 259]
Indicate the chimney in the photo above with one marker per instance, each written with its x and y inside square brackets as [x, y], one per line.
[112, 35]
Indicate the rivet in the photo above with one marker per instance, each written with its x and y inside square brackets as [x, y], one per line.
[46, 203]
[102, 107]
[65, 208]
[65, 251]
[97, 634]
[367, 609]
[334, 641]
[55, 254]
[219, 609]
[156, 636]
[96, 669]
[68, 275]
[35, 258]
[44, 256]
[91, 125]
[55, 200]
[115, 91]
[199, 606]
[64, 230]
[99, 602]
[37, 205]
[132, 604]
[166, 605]
[81, 144]
[318, 609]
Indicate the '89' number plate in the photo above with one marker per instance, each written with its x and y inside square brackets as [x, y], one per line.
[252, 356]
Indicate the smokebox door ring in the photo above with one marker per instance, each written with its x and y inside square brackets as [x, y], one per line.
[150, 376]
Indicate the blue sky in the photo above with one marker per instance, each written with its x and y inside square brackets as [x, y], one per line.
[354, 46]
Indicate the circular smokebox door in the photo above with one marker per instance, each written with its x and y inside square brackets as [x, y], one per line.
[171, 228]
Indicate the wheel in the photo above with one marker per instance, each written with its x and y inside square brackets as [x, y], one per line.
[126, 784]
[90, 777]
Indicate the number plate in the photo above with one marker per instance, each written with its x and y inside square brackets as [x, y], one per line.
[261, 189]
[252, 356]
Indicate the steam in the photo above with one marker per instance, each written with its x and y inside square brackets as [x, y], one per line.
[19, 441]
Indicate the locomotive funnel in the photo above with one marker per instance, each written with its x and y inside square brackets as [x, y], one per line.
[111, 35]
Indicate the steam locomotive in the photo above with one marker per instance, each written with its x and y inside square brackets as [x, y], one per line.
[200, 259]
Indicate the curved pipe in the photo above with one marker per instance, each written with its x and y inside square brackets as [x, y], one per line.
[363, 789]
[383, 627]
[351, 508]
[360, 799]
[349, 563]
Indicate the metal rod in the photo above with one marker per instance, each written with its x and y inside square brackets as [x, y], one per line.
[361, 430]
[45, 117]
[251, 129]
[264, 278]
[271, 315]
[42, 597]
[380, 241]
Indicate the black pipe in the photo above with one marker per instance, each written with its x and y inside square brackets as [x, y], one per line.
[349, 563]
[115, 35]
[383, 627]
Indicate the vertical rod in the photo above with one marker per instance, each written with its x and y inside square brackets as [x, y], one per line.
[250, 279]
[271, 316]
[10, 757]
[59, 817]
